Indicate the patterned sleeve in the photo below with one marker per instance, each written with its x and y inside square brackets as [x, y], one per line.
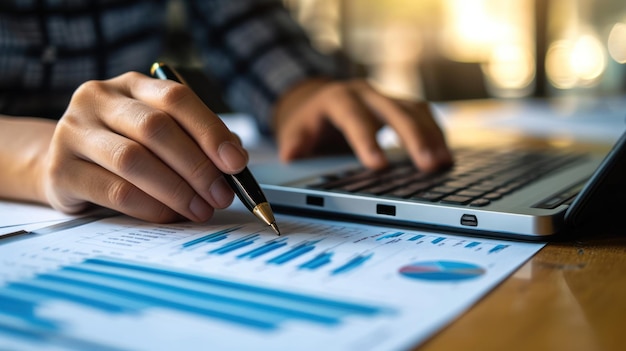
[256, 51]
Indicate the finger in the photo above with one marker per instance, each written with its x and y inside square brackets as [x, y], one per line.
[237, 139]
[358, 124]
[297, 135]
[101, 187]
[295, 143]
[138, 166]
[194, 117]
[303, 140]
[158, 132]
[417, 129]
[437, 154]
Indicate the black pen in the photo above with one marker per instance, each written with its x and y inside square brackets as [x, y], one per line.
[243, 183]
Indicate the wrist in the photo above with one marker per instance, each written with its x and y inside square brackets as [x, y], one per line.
[23, 157]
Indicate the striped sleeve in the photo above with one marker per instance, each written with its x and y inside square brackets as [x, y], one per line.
[256, 51]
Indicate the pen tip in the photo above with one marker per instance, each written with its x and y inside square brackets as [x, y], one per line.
[275, 227]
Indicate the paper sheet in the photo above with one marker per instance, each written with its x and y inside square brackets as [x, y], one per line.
[15, 216]
[231, 284]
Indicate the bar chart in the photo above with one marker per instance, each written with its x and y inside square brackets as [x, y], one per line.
[390, 236]
[293, 253]
[264, 249]
[318, 261]
[235, 244]
[115, 286]
[352, 264]
[312, 255]
[122, 284]
[210, 238]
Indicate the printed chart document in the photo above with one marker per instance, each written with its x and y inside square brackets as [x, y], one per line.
[232, 284]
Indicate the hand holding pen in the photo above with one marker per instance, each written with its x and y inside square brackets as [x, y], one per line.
[243, 183]
[145, 147]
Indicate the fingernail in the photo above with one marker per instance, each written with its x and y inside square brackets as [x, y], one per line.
[200, 208]
[233, 156]
[221, 193]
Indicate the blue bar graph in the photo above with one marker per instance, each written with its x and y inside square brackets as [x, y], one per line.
[389, 236]
[210, 238]
[498, 248]
[262, 250]
[416, 237]
[235, 244]
[296, 251]
[112, 286]
[438, 240]
[472, 244]
[352, 264]
[317, 262]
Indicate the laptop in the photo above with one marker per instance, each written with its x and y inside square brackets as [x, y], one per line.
[517, 193]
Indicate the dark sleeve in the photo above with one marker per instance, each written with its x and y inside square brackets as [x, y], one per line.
[256, 51]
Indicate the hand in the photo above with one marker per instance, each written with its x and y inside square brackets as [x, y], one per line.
[318, 115]
[144, 147]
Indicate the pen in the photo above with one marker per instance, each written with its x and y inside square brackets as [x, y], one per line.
[243, 183]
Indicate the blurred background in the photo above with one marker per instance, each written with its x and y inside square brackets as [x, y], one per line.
[444, 50]
[554, 69]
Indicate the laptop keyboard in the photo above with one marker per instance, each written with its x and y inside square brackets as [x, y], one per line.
[477, 178]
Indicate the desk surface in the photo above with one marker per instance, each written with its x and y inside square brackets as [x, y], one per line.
[570, 296]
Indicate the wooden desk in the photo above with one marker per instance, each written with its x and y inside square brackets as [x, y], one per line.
[570, 296]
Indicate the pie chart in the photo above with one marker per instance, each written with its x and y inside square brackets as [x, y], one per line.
[441, 271]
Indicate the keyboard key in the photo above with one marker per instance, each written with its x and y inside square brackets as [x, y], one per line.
[379, 189]
[456, 199]
[410, 189]
[492, 196]
[352, 187]
[444, 189]
[427, 196]
[470, 192]
[480, 202]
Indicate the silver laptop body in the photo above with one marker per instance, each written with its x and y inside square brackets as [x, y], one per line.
[518, 215]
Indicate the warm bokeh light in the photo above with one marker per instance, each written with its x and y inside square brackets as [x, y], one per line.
[469, 31]
[558, 71]
[617, 42]
[459, 49]
[588, 59]
[495, 34]
[510, 67]
[580, 62]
